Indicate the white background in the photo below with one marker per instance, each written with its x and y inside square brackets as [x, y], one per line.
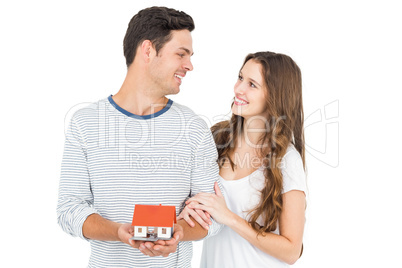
[56, 55]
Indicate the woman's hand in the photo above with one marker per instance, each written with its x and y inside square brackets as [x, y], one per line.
[202, 217]
[214, 204]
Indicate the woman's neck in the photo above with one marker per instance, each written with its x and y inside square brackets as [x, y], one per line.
[254, 129]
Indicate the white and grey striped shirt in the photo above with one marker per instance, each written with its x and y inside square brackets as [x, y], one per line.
[114, 159]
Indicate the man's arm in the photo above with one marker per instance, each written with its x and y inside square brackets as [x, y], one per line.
[75, 196]
[192, 233]
[75, 213]
[98, 228]
[205, 170]
[204, 173]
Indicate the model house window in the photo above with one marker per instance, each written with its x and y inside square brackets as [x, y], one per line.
[163, 230]
[140, 230]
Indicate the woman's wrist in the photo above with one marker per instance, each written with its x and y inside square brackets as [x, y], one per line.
[232, 220]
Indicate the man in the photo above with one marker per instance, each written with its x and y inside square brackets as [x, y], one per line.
[139, 147]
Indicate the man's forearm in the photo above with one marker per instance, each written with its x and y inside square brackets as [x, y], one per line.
[192, 233]
[98, 228]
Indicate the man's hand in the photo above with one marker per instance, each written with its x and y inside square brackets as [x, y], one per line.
[125, 232]
[162, 247]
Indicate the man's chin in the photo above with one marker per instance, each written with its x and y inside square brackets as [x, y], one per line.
[173, 91]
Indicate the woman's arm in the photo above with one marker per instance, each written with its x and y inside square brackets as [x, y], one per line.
[286, 246]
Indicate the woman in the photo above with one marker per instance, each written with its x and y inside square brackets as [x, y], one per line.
[261, 159]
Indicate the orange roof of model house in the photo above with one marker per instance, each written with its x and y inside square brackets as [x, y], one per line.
[153, 215]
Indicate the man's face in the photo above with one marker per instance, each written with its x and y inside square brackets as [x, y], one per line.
[168, 68]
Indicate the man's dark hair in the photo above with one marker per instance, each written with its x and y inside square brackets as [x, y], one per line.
[154, 24]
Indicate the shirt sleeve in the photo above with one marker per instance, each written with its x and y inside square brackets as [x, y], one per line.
[75, 196]
[294, 177]
[205, 172]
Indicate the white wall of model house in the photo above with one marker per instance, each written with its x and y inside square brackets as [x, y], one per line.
[162, 232]
[141, 231]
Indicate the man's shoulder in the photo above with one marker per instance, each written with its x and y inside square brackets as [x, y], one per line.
[190, 117]
[88, 110]
[183, 108]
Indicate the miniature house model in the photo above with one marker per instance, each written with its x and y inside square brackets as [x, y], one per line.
[152, 222]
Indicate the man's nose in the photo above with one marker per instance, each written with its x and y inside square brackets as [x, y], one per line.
[188, 66]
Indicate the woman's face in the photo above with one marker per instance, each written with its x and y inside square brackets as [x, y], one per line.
[250, 91]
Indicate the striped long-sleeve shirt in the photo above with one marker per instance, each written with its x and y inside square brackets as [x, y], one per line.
[114, 159]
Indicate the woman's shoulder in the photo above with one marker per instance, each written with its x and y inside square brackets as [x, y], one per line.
[220, 125]
[294, 177]
[292, 154]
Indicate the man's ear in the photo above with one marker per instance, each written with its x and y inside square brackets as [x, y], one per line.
[147, 50]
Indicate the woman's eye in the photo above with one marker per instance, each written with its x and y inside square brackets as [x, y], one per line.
[240, 78]
[252, 85]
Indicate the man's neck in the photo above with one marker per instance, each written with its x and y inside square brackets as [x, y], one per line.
[139, 104]
[136, 97]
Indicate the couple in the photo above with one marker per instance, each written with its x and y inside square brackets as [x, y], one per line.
[248, 202]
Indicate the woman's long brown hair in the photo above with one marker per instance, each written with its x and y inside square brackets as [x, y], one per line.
[284, 111]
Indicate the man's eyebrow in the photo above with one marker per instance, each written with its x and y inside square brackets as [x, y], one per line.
[187, 51]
